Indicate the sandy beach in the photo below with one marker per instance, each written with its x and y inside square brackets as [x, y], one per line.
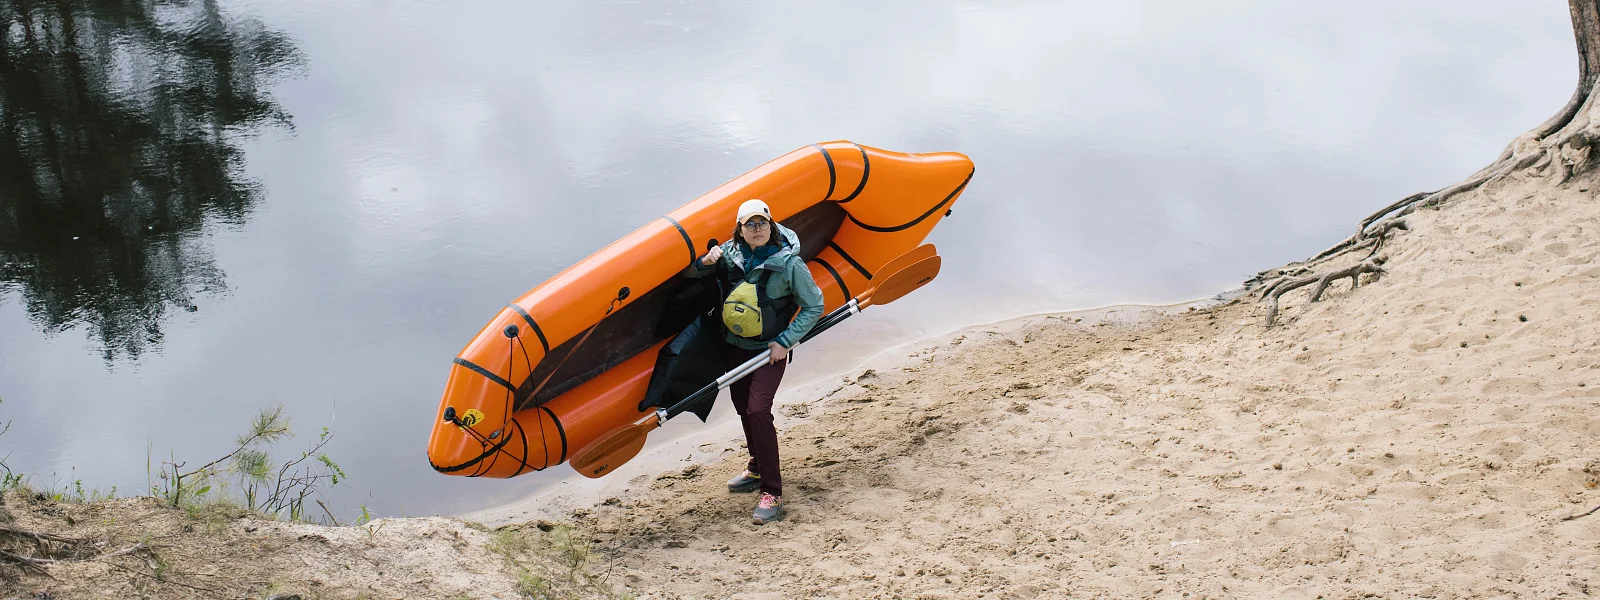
[1426, 435]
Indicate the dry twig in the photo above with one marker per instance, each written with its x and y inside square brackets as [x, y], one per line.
[1582, 515]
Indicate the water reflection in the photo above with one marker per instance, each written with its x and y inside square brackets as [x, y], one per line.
[119, 123]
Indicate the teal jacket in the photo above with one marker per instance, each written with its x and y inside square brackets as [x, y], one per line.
[790, 278]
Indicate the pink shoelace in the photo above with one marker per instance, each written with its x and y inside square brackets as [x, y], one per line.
[767, 501]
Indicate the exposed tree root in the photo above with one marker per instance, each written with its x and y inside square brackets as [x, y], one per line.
[1286, 279]
[1284, 285]
[32, 550]
[163, 579]
[29, 564]
[1559, 148]
[45, 548]
[13, 532]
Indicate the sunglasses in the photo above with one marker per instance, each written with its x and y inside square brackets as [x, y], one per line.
[753, 224]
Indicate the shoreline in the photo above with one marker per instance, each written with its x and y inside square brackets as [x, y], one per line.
[690, 445]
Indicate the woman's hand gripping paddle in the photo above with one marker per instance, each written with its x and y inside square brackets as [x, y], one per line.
[896, 279]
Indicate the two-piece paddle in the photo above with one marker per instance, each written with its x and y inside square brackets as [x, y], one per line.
[898, 278]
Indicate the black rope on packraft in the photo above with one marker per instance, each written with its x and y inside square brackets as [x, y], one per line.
[512, 332]
[622, 294]
[450, 417]
[527, 359]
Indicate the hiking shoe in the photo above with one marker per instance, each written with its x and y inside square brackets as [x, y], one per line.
[769, 509]
[745, 482]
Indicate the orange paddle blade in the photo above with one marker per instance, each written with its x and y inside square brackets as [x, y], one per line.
[909, 258]
[900, 262]
[902, 282]
[613, 449]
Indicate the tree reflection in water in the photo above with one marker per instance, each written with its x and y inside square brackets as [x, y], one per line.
[119, 121]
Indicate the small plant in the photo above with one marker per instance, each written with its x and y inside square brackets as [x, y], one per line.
[160, 568]
[94, 495]
[277, 490]
[266, 428]
[285, 493]
[569, 548]
[74, 493]
[532, 586]
[11, 480]
[216, 512]
[550, 562]
[509, 543]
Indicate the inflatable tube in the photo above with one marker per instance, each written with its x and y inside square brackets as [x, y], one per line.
[570, 359]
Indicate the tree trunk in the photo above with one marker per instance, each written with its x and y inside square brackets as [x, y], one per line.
[1586, 27]
[1561, 144]
[1560, 147]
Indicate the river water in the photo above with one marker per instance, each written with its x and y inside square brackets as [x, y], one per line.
[207, 208]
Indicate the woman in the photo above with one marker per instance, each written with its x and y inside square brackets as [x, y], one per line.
[769, 282]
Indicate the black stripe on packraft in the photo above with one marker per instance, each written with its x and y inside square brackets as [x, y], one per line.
[688, 241]
[866, 170]
[562, 431]
[832, 176]
[836, 278]
[852, 261]
[913, 222]
[484, 372]
[536, 331]
[470, 463]
[525, 443]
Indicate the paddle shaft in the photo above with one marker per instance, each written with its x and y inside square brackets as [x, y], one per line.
[750, 366]
[899, 267]
[898, 278]
[891, 272]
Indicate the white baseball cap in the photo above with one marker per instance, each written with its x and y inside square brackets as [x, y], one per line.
[753, 207]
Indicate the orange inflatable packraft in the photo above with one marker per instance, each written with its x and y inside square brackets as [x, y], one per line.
[571, 359]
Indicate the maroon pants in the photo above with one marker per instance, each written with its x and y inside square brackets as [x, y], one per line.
[752, 399]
